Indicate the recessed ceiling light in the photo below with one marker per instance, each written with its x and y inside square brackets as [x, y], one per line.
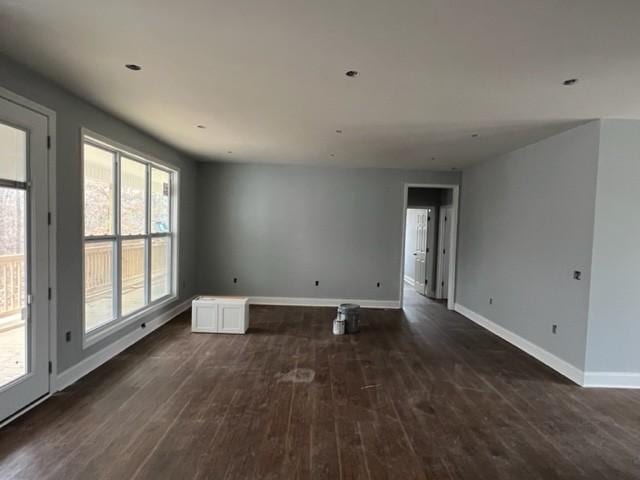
[474, 135]
[332, 154]
[133, 66]
[229, 151]
[338, 131]
[352, 73]
[570, 82]
[201, 126]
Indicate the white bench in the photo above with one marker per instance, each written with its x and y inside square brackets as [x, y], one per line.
[220, 314]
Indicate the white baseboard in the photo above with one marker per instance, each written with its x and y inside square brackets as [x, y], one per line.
[612, 380]
[561, 366]
[79, 370]
[322, 302]
[409, 281]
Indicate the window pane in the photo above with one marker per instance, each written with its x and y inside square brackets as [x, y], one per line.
[160, 195]
[98, 284]
[133, 275]
[13, 283]
[133, 197]
[160, 267]
[98, 191]
[13, 151]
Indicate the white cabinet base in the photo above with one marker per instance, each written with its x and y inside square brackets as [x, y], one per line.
[220, 315]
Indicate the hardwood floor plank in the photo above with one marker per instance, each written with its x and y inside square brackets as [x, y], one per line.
[418, 394]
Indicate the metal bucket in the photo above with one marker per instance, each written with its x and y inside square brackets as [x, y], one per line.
[350, 313]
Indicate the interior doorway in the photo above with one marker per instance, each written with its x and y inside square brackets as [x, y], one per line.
[429, 241]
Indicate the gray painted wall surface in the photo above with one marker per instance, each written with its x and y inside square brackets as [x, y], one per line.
[614, 307]
[73, 113]
[278, 229]
[526, 223]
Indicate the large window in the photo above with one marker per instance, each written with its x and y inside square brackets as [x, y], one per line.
[129, 227]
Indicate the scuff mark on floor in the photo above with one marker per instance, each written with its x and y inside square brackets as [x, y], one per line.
[297, 375]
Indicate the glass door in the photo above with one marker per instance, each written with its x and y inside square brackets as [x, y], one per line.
[24, 276]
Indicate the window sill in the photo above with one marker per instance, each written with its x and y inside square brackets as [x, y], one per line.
[91, 338]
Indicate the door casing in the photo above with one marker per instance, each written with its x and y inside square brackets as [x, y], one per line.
[49, 184]
[453, 242]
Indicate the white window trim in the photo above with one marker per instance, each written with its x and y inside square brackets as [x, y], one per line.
[108, 329]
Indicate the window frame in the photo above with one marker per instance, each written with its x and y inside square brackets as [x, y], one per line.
[119, 321]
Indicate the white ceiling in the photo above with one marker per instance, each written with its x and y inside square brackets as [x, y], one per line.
[267, 76]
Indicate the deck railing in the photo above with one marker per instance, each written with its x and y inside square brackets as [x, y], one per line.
[12, 285]
[98, 273]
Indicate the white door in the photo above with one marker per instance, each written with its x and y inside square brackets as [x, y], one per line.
[430, 262]
[444, 241]
[420, 251]
[24, 273]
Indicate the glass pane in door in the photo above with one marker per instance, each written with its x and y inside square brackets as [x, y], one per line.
[13, 149]
[13, 256]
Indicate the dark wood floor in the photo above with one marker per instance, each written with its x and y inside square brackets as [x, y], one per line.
[420, 394]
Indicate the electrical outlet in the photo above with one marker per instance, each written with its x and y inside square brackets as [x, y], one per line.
[378, 284]
[67, 336]
[577, 274]
[143, 325]
[554, 329]
[317, 283]
[490, 301]
[235, 280]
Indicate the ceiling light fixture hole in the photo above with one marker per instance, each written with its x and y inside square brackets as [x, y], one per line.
[475, 135]
[352, 73]
[134, 67]
[570, 82]
[201, 126]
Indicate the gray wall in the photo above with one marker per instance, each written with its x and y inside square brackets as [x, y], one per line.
[278, 229]
[73, 113]
[614, 308]
[526, 223]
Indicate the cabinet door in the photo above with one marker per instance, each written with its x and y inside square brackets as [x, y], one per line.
[231, 319]
[206, 318]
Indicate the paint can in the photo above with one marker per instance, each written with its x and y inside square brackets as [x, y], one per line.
[338, 326]
[350, 314]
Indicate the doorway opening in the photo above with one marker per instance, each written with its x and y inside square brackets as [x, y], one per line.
[429, 242]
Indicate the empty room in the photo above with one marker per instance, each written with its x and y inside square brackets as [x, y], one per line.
[319, 240]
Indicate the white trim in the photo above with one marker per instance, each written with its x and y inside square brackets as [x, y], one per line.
[561, 366]
[453, 247]
[322, 302]
[409, 281]
[95, 336]
[611, 380]
[82, 368]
